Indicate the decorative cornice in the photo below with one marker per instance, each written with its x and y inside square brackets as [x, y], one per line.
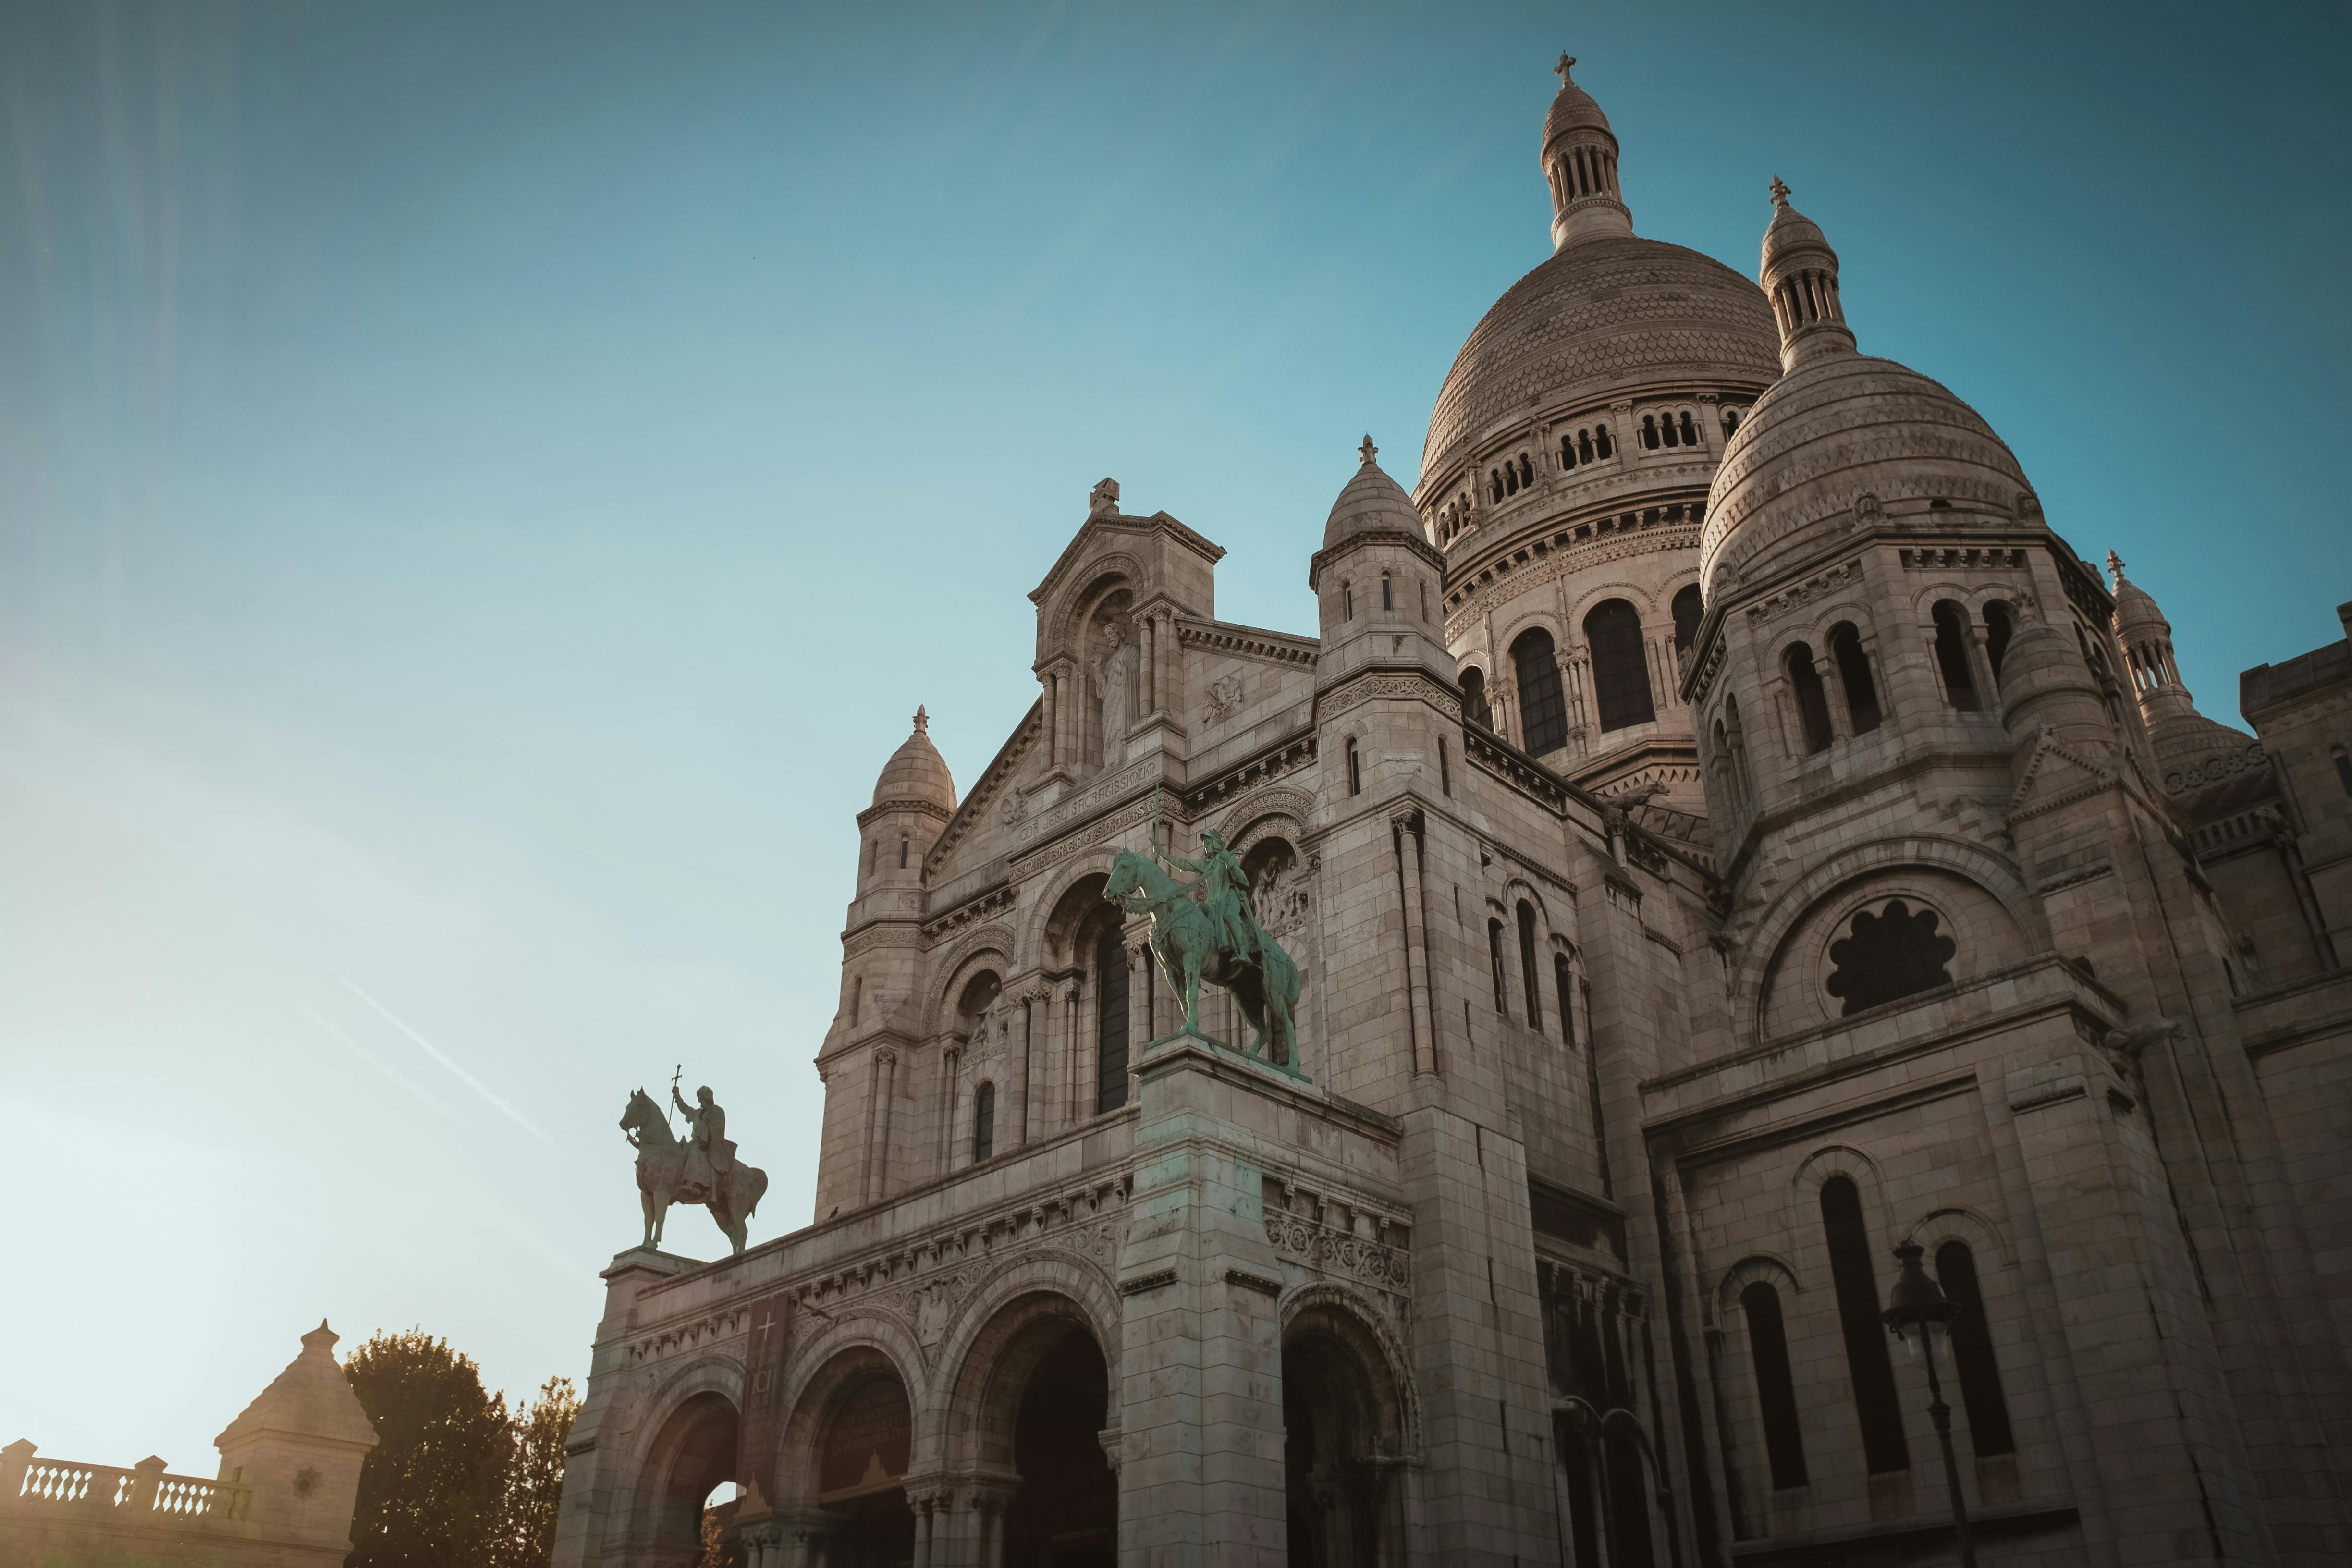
[1369, 685]
[1249, 642]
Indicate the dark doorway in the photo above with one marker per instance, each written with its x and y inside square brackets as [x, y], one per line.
[867, 1445]
[1066, 1514]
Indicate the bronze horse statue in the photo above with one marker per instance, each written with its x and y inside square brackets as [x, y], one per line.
[662, 1179]
[1187, 942]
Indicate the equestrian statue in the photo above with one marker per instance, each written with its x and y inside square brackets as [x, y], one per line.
[702, 1169]
[1206, 930]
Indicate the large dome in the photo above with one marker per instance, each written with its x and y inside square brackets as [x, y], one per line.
[1603, 316]
[1841, 435]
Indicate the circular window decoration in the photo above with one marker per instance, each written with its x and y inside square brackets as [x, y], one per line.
[1889, 951]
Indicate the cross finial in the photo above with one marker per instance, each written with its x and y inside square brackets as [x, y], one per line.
[2115, 565]
[1560, 70]
[1779, 192]
[1369, 451]
[923, 720]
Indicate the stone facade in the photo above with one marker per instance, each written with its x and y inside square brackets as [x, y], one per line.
[1724, 832]
[289, 1474]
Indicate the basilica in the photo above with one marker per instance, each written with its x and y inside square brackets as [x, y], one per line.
[1744, 870]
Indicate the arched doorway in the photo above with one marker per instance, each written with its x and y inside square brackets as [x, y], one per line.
[1066, 1514]
[1343, 1444]
[861, 1470]
[694, 1457]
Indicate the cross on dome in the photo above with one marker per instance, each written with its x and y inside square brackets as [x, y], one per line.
[2115, 565]
[1369, 451]
[1560, 70]
[1779, 192]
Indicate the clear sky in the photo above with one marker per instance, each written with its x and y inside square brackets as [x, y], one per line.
[483, 488]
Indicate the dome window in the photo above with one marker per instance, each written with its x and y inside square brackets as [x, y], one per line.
[1854, 674]
[1543, 707]
[1650, 432]
[2000, 625]
[1690, 431]
[1621, 670]
[1388, 596]
[1952, 656]
[1355, 769]
[1527, 470]
[1689, 607]
[1730, 421]
[1813, 701]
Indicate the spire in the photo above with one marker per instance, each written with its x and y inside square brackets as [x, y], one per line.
[1799, 275]
[1368, 452]
[922, 719]
[1579, 162]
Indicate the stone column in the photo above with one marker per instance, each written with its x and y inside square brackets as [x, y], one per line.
[1407, 827]
[923, 1503]
[1028, 1065]
[1087, 1062]
[885, 1080]
[1825, 671]
[1148, 696]
[1053, 709]
[950, 1059]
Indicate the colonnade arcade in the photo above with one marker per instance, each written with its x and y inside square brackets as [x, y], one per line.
[1006, 1459]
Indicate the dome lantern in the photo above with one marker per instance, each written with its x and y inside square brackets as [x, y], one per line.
[1799, 275]
[1579, 162]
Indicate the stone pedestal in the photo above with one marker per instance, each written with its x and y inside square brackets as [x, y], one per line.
[1200, 1474]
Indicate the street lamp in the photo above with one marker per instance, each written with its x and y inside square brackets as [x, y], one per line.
[1920, 1315]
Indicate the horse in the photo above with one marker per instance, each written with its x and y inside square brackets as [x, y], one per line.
[661, 1176]
[1186, 943]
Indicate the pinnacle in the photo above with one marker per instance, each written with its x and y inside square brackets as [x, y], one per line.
[1368, 451]
[922, 719]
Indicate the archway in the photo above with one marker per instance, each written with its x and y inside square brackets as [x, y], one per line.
[1066, 1514]
[861, 1470]
[1343, 1446]
[693, 1458]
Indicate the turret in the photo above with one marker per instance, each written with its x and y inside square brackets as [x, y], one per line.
[912, 802]
[1579, 161]
[298, 1448]
[1378, 580]
[1799, 275]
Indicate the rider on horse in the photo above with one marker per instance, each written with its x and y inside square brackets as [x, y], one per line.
[1224, 891]
[709, 1156]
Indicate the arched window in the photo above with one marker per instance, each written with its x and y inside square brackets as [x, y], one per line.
[1888, 954]
[1387, 597]
[1776, 1391]
[1527, 469]
[1620, 673]
[1543, 707]
[1586, 446]
[1110, 1015]
[1495, 962]
[1741, 780]
[1690, 608]
[1884, 1447]
[1495, 484]
[1510, 478]
[1650, 431]
[1690, 431]
[902, 854]
[1854, 674]
[857, 999]
[1347, 600]
[1444, 768]
[1666, 428]
[1527, 970]
[1563, 986]
[1355, 769]
[1474, 698]
[1568, 450]
[1952, 656]
[2000, 625]
[1424, 601]
[1730, 421]
[1600, 441]
[983, 1124]
[1988, 1429]
[1813, 702]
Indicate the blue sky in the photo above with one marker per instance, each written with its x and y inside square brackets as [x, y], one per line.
[483, 488]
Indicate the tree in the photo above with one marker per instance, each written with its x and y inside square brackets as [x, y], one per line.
[432, 1492]
[526, 1532]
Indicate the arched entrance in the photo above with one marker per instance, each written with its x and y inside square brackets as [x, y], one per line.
[1030, 1409]
[861, 1468]
[695, 1454]
[1066, 1514]
[1343, 1444]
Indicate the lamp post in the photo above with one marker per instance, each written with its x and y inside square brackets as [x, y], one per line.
[1920, 1315]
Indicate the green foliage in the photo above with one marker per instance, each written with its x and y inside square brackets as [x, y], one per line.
[526, 1531]
[456, 1480]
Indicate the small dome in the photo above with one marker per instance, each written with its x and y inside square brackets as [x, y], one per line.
[1601, 318]
[311, 1398]
[1840, 435]
[1371, 503]
[1789, 232]
[916, 771]
[1572, 109]
[2135, 609]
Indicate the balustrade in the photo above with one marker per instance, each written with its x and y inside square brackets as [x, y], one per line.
[142, 1493]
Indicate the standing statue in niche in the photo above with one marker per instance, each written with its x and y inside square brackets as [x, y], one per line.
[1115, 671]
[1205, 930]
[702, 1169]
